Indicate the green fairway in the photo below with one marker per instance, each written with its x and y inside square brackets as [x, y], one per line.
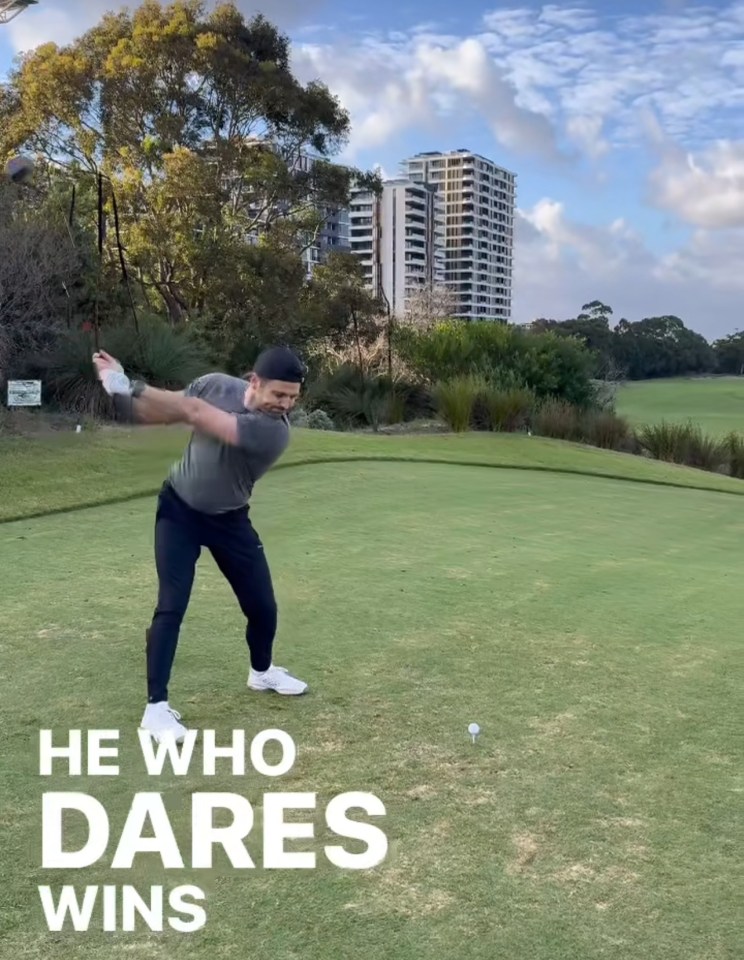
[590, 625]
[715, 403]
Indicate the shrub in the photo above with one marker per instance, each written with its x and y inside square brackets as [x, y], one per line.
[507, 410]
[446, 351]
[311, 420]
[734, 445]
[556, 367]
[665, 441]
[604, 395]
[69, 377]
[559, 420]
[549, 365]
[684, 443]
[603, 428]
[705, 452]
[356, 399]
[456, 400]
[298, 417]
[319, 420]
[162, 356]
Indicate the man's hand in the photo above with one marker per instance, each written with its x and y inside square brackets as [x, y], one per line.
[111, 373]
[104, 361]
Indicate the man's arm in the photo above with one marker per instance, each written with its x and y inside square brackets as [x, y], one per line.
[148, 405]
[246, 430]
[154, 406]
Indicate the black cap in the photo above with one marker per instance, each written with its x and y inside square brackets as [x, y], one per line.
[280, 363]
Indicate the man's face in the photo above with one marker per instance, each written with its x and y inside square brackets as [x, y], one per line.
[272, 396]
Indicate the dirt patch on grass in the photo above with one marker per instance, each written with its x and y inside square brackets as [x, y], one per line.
[395, 889]
[398, 895]
[576, 873]
[628, 822]
[421, 792]
[584, 873]
[480, 798]
[526, 849]
[557, 726]
[324, 745]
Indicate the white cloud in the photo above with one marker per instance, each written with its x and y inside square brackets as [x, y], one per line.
[413, 83]
[550, 81]
[61, 21]
[561, 264]
[706, 190]
[54, 22]
[688, 64]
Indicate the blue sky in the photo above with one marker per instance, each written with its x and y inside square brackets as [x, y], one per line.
[624, 122]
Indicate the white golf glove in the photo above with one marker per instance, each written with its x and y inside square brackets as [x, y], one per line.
[115, 381]
[111, 374]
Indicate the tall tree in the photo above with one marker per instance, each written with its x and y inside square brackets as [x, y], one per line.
[592, 328]
[430, 304]
[338, 291]
[202, 131]
[729, 353]
[661, 347]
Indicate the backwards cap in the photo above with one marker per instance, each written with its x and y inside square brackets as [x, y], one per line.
[280, 363]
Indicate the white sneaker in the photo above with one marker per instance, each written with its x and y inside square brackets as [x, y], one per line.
[277, 679]
[162, 723]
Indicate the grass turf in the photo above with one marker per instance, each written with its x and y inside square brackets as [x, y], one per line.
[590, 626]
[66, 471]
[715, 403]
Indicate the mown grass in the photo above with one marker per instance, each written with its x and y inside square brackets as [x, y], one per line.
[66, 470]
[716, 404]
[589, 625]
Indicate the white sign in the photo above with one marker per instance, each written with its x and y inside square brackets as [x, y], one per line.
[24, 393]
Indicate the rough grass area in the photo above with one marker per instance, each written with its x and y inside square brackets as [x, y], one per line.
[590, 626]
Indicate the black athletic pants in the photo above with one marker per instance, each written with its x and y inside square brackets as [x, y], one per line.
[180, 534]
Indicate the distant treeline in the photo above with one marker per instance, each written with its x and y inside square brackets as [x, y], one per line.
[648, 348]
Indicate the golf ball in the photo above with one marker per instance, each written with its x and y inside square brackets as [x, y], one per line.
[473, 729]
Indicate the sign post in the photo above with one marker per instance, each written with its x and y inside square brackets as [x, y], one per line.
[24, 393]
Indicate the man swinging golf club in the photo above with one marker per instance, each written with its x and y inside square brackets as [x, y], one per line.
[239, 430]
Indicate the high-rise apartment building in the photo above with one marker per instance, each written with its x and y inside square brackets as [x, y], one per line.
[479, 203]
[399, 238]
[334, 232]
[333, 237]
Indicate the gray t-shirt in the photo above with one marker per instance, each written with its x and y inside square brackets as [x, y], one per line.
[213, 476]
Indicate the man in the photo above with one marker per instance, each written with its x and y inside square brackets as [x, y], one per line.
[239, 431]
